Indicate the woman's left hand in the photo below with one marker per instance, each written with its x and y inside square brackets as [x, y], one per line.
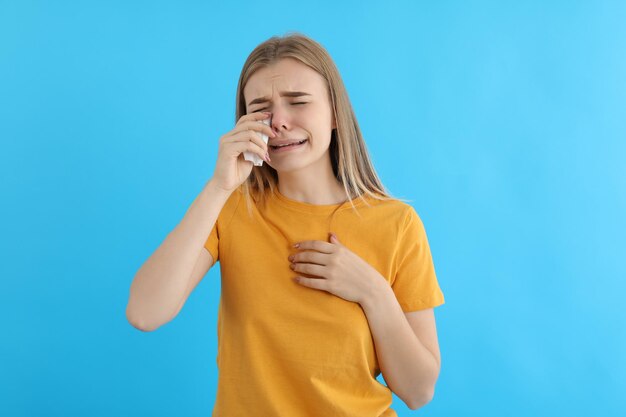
[339, 270]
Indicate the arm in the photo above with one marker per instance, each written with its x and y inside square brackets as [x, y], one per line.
[409, 365]
[163, 280]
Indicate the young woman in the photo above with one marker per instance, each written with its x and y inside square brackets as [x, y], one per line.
[326, 279]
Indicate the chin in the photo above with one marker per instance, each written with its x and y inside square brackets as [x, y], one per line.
[289, 167]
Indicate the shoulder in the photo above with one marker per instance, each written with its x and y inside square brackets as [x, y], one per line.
[230, 206]
[393, 209]
[402, 217]
[235, 197]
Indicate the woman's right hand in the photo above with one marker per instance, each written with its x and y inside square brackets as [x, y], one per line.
[231, 169]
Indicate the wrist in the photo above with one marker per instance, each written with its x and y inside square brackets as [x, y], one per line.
[215, 190]
[377, 291]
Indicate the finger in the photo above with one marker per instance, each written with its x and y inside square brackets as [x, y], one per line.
[317, 283]
[249, 136]
[312, 257]
[334, 239]
[256, 126]
[309, 269]
[256, 116]
[241, 147]
[318, 245]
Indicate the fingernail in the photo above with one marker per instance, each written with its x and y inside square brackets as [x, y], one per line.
[267, 157]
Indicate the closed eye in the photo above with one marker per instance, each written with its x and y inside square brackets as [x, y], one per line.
[300, 102]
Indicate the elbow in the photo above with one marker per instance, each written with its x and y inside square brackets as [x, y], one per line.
[425, 394]
[421, 400]
[139, 324]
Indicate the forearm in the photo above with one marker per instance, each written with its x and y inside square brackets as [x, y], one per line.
[161, 281]
[408, 367]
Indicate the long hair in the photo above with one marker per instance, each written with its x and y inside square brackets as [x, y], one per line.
[349, 157]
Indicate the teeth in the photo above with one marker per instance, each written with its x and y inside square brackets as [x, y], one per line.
[281, 146]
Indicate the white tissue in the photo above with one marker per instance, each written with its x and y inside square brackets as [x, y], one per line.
[253, 157]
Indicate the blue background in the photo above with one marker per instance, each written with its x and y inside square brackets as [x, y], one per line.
[503, 122]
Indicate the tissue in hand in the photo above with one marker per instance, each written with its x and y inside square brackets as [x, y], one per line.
[253, 157]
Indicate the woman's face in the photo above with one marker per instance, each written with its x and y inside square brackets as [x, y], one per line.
[295, 117]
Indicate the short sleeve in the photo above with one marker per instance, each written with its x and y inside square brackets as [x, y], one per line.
[211, 244]
[223, 219]
[415, 284]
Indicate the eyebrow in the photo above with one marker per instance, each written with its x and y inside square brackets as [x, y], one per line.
[282, 94]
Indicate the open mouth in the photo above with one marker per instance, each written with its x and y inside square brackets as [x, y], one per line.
[285, 147]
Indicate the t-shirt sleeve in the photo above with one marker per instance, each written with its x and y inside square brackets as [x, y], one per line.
[415, 284]
[211, 243]
[223, 219]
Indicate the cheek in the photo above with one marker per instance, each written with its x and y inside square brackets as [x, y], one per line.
[317, 120]
[320, 143]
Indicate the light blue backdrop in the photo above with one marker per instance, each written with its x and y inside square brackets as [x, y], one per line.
[504, 123]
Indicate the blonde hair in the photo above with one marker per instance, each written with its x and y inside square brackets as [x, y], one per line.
[349, 157]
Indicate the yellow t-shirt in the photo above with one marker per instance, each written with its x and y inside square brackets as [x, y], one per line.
[289, 350]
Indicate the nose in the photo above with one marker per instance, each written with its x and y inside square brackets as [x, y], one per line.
[278, 119]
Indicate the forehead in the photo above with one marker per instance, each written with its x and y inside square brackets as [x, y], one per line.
[286, 75]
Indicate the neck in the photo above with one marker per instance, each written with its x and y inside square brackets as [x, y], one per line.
[312, 186]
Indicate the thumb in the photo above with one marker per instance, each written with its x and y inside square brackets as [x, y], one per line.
[333, 238]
